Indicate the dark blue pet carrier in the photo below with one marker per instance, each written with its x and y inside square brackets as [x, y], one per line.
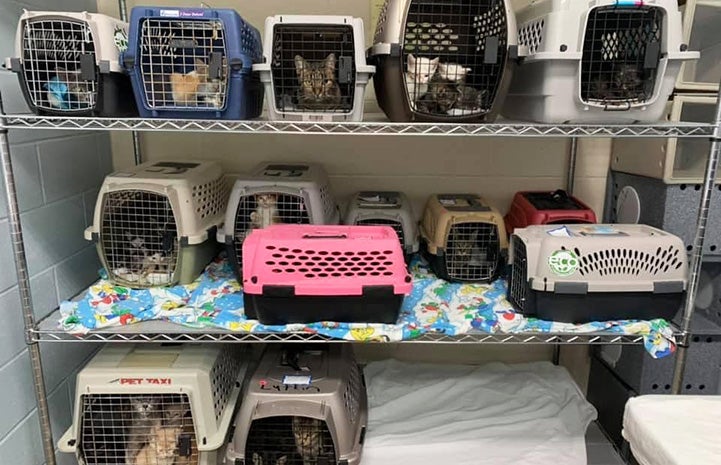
[193, 63]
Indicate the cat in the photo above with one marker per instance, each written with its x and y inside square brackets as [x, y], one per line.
[176, 414]
[318, 87]
[470, 100]
[266, 211]
[161, 449]
[65, 90]
[308, 436]
[440, 98]
[258, 460]
[419, 73]
[145, 414]
[453, 72]
[188, 88]
[624, 83]
[463, 248]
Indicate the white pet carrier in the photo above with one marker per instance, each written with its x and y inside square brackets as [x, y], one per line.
[377, 208]
[132, 400]
[315, 68]
[597, 61]
[701, 19]
[302, 406]
[155, 223]
[580, 273]
[68, 63]
[444, 60]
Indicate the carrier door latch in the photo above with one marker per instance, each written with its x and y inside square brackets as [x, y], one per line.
[345, 70]
[490, 55]
[215, 65]
[653, 54]
[87, 67]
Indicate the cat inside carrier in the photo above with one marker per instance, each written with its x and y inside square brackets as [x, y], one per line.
[305, 405]
[444, 60]
[154, 224]
[315, 67]
[67, 63]
[159, 405]
[556, 207]
[464, 237]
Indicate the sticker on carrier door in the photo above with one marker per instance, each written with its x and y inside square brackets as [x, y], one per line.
[563, 262]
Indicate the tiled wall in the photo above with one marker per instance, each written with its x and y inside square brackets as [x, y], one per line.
[57, 175]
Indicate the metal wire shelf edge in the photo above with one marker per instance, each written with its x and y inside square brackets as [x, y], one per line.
[690, 130]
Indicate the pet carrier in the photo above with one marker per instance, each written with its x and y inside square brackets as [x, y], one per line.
[555, 207]
[582, 273]
[464, 237]
[67, 64]
[153, 223]
[276, 193]
[306, 273]
[700, 31]
[444, 60]
[675, 161]
[302, 406]
[194, 63]
[385, 209]
[597, 61]
[143, 405]
[315, 68]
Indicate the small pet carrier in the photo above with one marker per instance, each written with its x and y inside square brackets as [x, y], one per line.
[373, 208]
[582, 273]
[306, 273]
[555, 207]
[464, 238]
[67, 64]
[276, 193]
[154, 224]
[700, 31]
[155, 405]
[302, 406]
[444, 60]
[315, 68]
[194, 63]
[597, 61]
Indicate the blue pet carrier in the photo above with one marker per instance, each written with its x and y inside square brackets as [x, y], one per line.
[193, 63]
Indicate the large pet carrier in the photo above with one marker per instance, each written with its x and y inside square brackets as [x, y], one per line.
[444, 60]
[154, 224]
[155, 405]
[464, 237]
[67, 64]
[307, 273]
[556, 207]
[303, 406]
[701, 19]
[378, 208]
[315, 68]
[194, 63]
[582, 273]
[276, 193]
[597, 61]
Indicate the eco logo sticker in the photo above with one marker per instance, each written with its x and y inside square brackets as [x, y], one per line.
[120, 37]
[563, 262]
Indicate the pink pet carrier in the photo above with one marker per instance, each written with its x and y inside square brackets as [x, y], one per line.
[309, 273]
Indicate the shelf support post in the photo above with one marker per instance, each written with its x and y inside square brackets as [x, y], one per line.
[571, 174]
[137, 156]
[697, 253]
[26, 303]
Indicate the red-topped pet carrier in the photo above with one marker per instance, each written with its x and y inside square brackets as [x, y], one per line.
[558, 207]
[306, 273]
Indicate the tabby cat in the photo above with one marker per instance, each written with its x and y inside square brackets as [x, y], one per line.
[308, 434]
[66, 91]
[258, 460]
[161, 449]
[318, 88]
[145, 414]
[266, 211]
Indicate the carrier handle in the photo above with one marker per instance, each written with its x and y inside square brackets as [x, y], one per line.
[325, 236]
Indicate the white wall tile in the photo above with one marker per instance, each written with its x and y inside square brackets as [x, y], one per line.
[27, 179]
[57, 364]
[16, 386]
[69, 166]
[22, 445]
[12, 333]
[77, 273]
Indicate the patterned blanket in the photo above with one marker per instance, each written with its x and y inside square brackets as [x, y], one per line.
[215, 300]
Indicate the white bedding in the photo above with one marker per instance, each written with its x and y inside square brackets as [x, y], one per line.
[674, 430]
[495, 414]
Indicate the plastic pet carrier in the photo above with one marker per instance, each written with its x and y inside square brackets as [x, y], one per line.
[276, 193]
[377, 208]
[463, 237]
[194, 63]
[67, 64]
[303, 406]
[306, 273]
[154, 224]
[155, 405]
[582, 273]
[700, 31]
[444, 60]
[597, 61]
[556, 207]
[315, 68]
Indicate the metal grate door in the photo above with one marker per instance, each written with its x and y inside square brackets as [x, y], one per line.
[472, 251]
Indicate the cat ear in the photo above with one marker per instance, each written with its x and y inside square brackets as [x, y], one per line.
[330, 62]
[201, 67]
[435, 61]
[411, 60]
[300, 64]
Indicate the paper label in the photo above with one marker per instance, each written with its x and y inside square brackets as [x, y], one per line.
[296, 380]
[560, 232]
[170, 13]
[603, 230]
[563, 262]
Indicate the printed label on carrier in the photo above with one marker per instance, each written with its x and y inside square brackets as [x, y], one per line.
[297, 380]
[563, 262]
[170, 13]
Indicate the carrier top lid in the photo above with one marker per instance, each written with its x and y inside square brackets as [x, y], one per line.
[288, 171]
[378, 199]
[463, 203]
[168, 170]
[580, 233]
[556, 200]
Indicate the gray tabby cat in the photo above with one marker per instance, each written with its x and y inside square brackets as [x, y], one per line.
[463, 248]
[308, 434]
[318, 89]
[145, 414]
[258, 460]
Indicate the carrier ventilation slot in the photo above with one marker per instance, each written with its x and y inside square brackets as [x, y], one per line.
[312, 263]
[472, 251]
[630, 262]
[289, 440]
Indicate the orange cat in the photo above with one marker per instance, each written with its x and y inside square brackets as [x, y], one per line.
[162, 447]
[186, 86]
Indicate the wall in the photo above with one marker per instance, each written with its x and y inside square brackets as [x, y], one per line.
[57, 175]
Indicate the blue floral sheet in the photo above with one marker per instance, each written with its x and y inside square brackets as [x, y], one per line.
[215, 301]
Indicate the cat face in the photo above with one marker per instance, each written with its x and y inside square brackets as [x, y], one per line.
[422, 69]
[308, 437]
[258, 460]
[316, 78]
[174, 414]
[77, 90]
[144, 406]
[266, 200]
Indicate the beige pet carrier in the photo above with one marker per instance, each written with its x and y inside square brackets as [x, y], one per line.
[303, 406]
[155, 223]
[464, 237]
[133, 401]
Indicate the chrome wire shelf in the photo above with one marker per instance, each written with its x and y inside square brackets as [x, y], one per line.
[371, 127]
